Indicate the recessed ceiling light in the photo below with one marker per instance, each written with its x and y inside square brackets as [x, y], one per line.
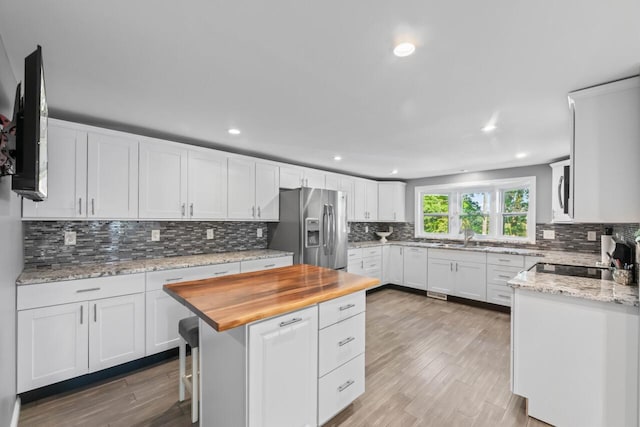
[234, 131]
[337, 158]
[490, 127]
[521, 155]
[394, 172]
[404, 49]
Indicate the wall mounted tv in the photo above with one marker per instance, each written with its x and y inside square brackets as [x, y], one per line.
[30, 178]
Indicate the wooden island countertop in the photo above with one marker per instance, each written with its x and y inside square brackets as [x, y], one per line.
[230, 301]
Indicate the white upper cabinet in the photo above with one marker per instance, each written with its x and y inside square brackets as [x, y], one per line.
[291, 177]
[391, 196]
[112, 177]
[207, 184]
[314, 178]
[253, 190]
[163, 180]
[332, 182]
[346, 184]
[559, 200]
[365, 200]
[67, 175]
[605, 152]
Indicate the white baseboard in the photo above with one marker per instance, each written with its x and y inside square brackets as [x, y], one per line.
[16, 413]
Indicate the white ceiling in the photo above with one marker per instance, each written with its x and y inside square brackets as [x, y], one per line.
[306, 80]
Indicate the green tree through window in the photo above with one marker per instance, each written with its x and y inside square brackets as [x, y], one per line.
[435, 209]
[475, 212]
[514, 212]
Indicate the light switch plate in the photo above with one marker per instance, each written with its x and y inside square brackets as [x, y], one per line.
[591, 236]
[69, 238]
[259, 232]
[366, 228]
[548, 234]
[155, 235]
[209, 233]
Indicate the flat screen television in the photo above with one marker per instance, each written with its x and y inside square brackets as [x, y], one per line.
[30, 179]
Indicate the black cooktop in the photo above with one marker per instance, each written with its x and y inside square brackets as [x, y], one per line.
[573, 270]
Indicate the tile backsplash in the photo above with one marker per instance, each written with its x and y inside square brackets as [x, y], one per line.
[568, 237]
[104, 241]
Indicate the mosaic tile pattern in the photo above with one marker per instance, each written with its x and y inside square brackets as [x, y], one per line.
[569, 237]
[107, 241]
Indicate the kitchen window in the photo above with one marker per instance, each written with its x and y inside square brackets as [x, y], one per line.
[498, 210]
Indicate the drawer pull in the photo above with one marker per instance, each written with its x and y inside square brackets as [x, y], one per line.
[290, 322]
[346, 385]
[175, 279]
[347, 307]
[346, 341]
[504, 260]
[504, 296]
[79, 291]
[504, 276]
[220, 272]
[269, 265]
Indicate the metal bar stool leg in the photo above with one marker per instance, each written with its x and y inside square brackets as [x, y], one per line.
[195, 392]
[182, 350]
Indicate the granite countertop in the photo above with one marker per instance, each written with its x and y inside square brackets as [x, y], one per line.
[553, 257]
[86, 271]
[578, 287]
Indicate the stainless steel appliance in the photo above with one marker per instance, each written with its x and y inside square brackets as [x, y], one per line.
[313, 225]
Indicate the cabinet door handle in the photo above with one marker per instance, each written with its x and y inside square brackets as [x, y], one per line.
[456, 266]
[451, 266]
[81, 313]
[346, 341]
[269, 265]
[253, 211]
[504, 276]
[191, 209]
[95, 312]
[79, 291]
[394, 216]
[182, 209]
[93, 206]
[346, 385]
[347, 307]
[174, 279]
[400, 251]
[291, 322]
[80, 206]
[220, 272]
[259, 212]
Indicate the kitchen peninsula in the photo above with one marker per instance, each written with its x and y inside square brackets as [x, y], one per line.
[278, 347]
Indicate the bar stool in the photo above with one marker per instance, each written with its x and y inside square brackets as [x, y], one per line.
[188, 330]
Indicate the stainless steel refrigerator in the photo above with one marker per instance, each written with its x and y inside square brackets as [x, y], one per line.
[313, 225]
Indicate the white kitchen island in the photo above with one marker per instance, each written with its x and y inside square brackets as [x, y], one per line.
[574, 344]
[281, 348]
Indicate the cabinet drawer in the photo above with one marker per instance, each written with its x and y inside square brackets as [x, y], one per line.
[501, 295]
[157, 279]
[453, 255]
[506, 259]
[373, 251]
[338, 309]
[340, 343]
[372, 263]
[354, 254]
[265, 264]
[499, 275]
[48, 294]
[339, 388]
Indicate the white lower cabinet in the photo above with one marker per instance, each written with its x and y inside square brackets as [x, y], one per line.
[163, 314]
[459, 273]
[116, 331]
[52, 344]
[392, 264]
[283, 363]
[440, 276]
[415, 268]
[340, 388]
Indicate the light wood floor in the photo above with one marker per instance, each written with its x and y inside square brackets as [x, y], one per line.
[428, 363]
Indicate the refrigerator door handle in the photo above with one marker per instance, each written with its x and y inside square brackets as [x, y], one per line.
[325, 228]
[332, 217]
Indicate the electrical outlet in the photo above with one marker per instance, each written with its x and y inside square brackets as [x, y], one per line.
[259, 232]
[348, 229]
[366, 228]
[155, 235]
[69, 238]
[390, 229]
[209, 233]
[591, 236]
[548, 234]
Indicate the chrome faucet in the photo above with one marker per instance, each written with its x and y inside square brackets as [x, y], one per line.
[468, 234]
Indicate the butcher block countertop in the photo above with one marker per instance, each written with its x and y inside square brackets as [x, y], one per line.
[235, 300]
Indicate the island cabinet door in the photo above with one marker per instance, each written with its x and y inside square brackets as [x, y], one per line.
[283, 370]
